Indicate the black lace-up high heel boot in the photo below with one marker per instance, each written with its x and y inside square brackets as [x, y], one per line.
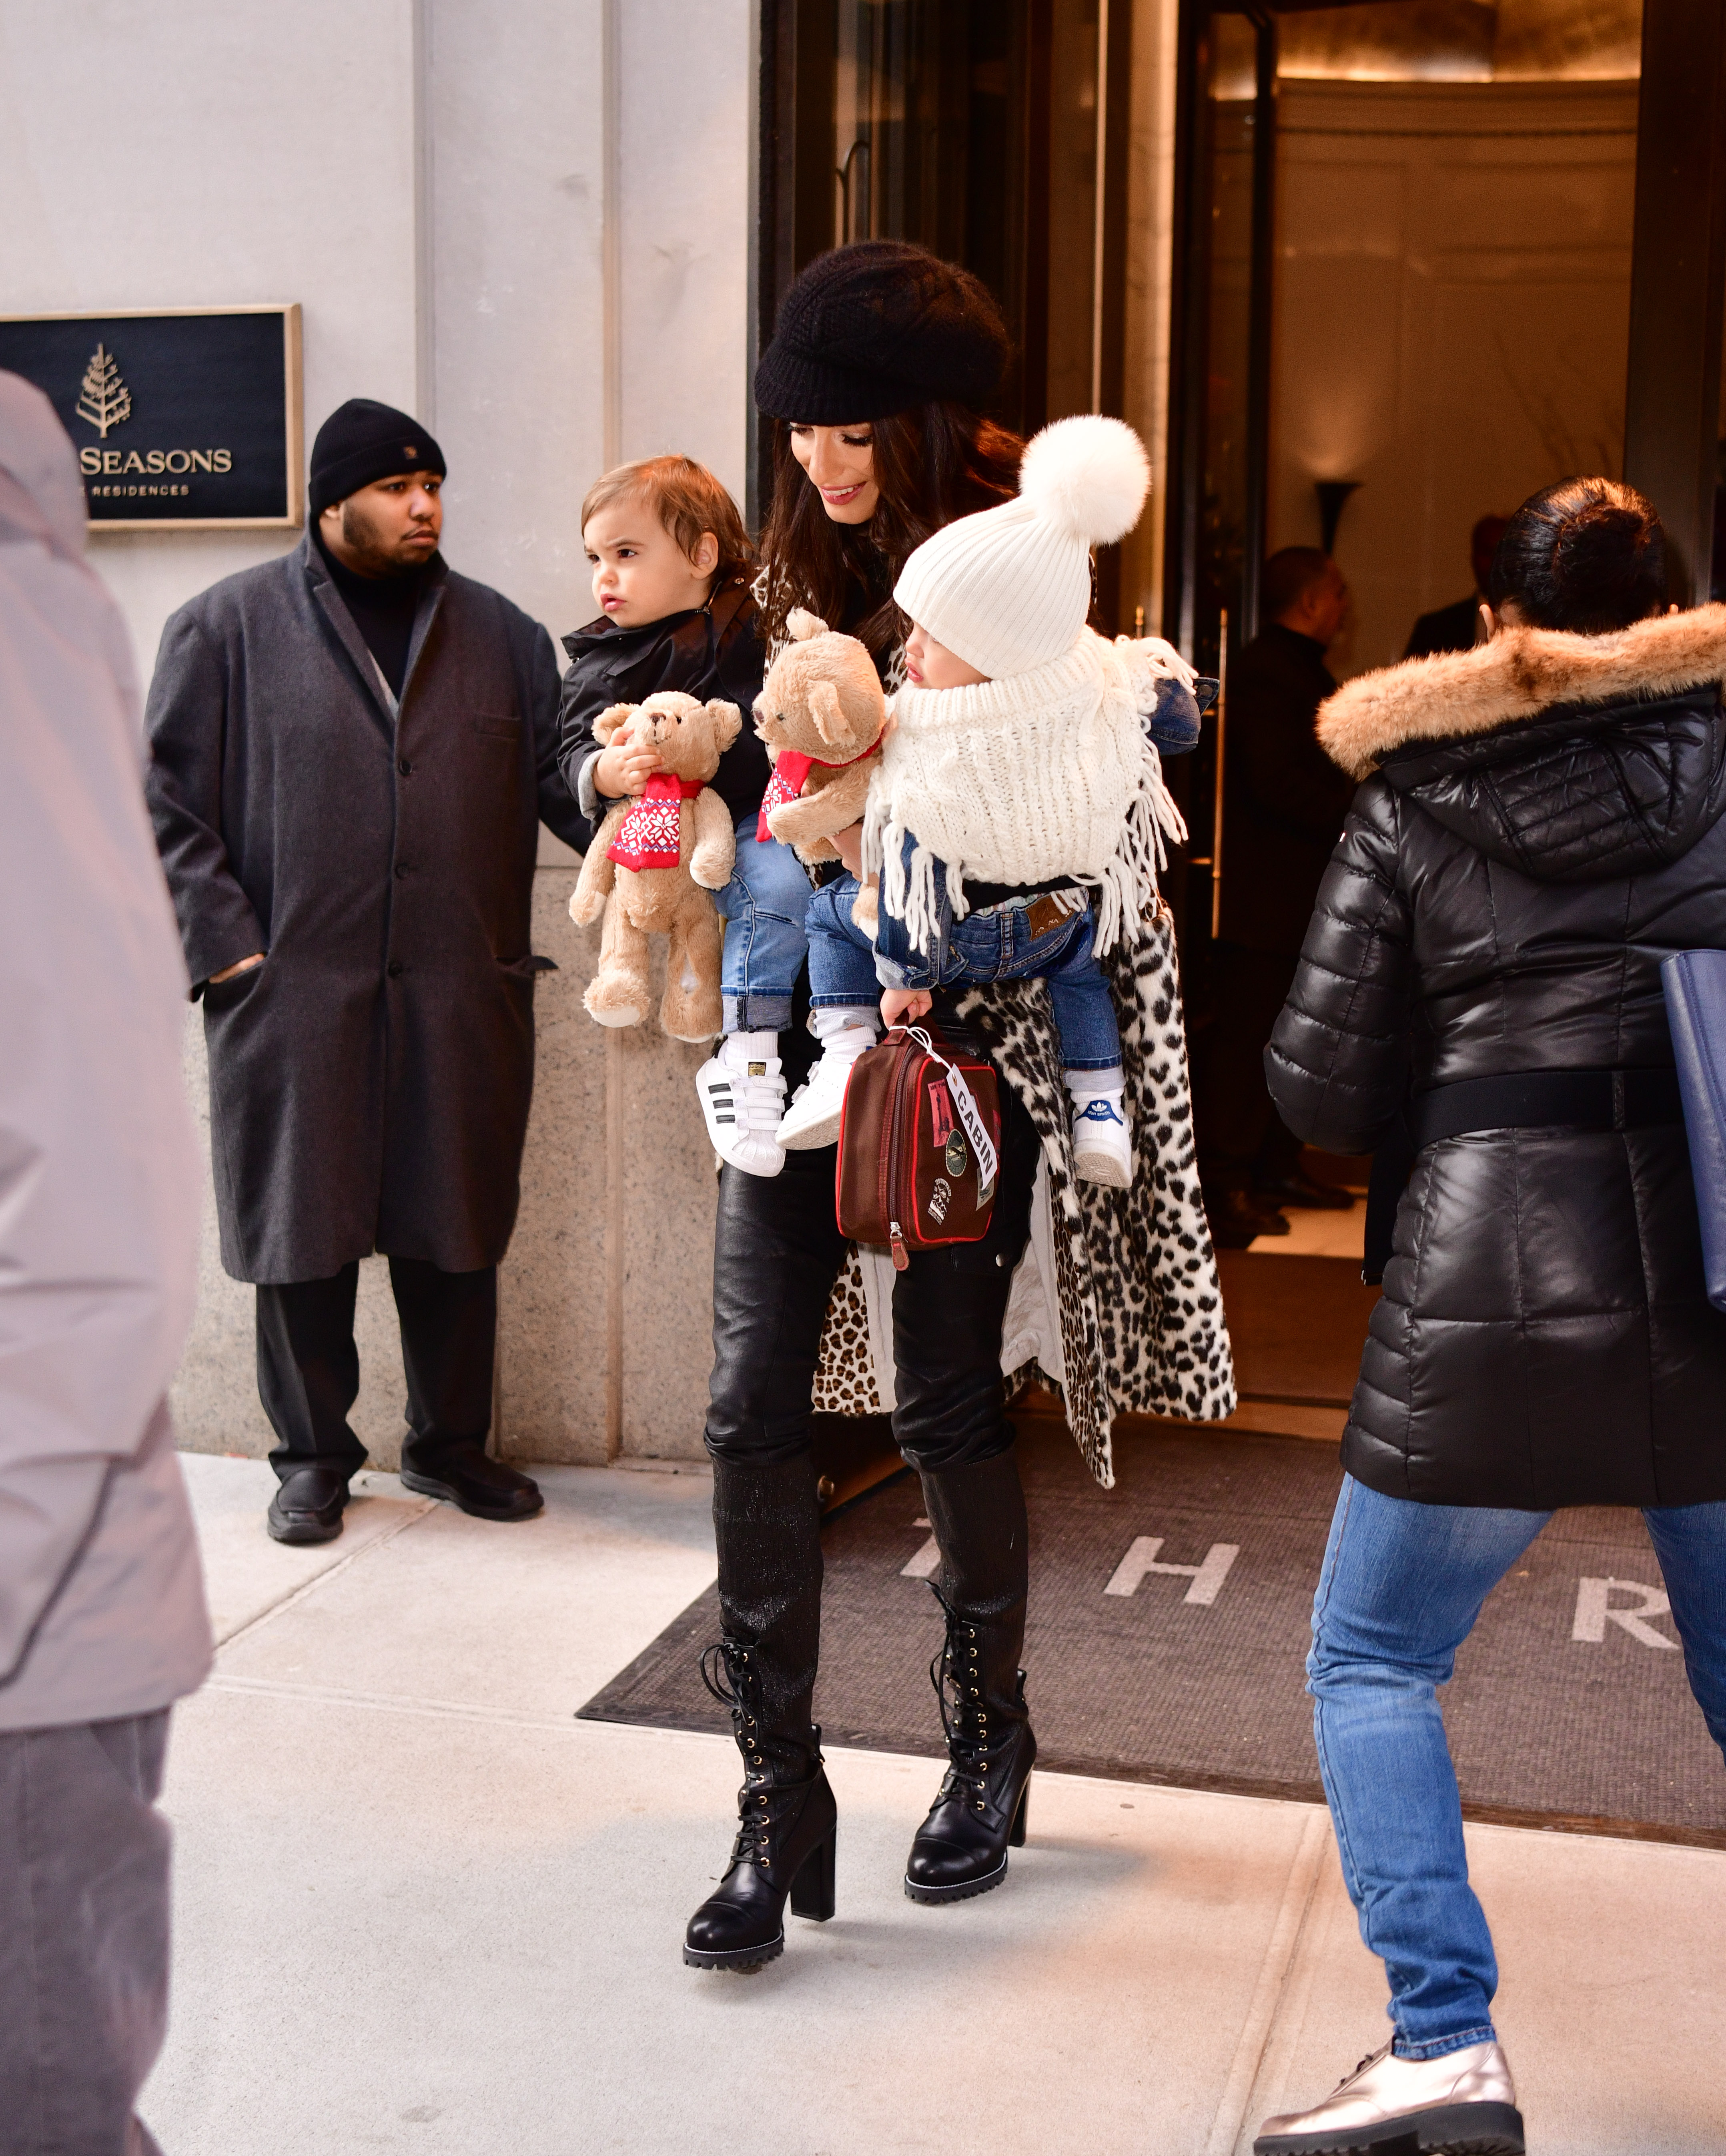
[978, 1515]
[768, 1525]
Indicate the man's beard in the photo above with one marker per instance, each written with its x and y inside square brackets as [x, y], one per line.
[373, 553]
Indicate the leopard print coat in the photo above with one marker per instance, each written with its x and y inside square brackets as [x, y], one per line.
[1140, 1314]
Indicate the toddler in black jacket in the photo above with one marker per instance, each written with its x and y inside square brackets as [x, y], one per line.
[671, 566]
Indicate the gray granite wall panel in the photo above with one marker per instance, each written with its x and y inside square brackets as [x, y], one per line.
[551, 1360]
[552, 1343]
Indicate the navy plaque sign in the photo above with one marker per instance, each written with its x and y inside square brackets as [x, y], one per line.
[190, 417]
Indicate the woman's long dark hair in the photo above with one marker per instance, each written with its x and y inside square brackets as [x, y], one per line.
[1587, 555]
[931, 463]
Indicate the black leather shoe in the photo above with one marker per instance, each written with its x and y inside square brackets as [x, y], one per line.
[465, 1476]
[787, 1841]
[980, 1809]
[787, 1832]
[1238, 1219]
[1302, 1192]
[767, 1532]
[308, 1506]
[978, 1515]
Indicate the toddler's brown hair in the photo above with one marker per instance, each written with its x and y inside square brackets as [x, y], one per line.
[688, 501]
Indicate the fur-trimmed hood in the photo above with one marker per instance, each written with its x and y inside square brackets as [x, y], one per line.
[1517, 677]
[1573, 758]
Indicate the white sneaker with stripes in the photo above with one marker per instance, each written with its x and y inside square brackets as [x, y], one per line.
[742, 1094]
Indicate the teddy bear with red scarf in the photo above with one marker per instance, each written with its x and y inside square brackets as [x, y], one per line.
[652, 864]
[820, 713]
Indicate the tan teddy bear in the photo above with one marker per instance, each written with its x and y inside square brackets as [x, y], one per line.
[652, 862]
[820, 712]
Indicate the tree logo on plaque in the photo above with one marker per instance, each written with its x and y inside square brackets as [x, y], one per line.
[102, 398]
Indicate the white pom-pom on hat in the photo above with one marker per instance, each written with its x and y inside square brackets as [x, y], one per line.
[1089, 476]
[1008, 589]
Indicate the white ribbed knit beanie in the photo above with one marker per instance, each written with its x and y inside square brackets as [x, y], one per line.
[1009, 588]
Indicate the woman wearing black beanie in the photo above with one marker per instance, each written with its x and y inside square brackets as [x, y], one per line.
[882, 355]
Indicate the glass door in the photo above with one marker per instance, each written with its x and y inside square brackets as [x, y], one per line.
[1402, 303]
[979, 128]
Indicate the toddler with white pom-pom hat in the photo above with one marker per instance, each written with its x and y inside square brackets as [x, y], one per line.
[1016, 822]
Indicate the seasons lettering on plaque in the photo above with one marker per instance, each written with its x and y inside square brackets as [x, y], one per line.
[117, 463]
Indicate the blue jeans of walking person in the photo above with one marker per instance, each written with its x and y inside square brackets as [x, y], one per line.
[1401, 1587]
[762, 907]
[848, 967]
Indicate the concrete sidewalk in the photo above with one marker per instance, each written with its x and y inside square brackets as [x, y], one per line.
[421, 1908]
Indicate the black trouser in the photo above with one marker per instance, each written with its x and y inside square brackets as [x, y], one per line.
[777, 1251]
[308, 1367]
[1242, 1139]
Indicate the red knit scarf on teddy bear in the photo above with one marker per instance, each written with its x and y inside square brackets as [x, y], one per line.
[790, 773]
[651, 832]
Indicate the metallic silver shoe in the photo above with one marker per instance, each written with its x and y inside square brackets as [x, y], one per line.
[1463, 2104]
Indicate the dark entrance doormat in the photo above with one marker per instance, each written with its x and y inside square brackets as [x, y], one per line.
[1168, 1628]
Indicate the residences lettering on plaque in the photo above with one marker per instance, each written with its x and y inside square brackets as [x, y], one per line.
[190, 417]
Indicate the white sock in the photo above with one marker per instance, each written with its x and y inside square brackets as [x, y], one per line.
[1095, 1084]
[827, 1021]
[738, 1050]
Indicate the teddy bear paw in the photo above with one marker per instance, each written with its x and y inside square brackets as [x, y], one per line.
[608, 1009]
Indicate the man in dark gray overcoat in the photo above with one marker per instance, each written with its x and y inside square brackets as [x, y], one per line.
[351, 749]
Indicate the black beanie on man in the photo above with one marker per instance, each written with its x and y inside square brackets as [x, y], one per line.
[877, 327]
[362, 441]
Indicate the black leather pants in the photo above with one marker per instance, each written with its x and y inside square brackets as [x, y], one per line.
[777, 1251]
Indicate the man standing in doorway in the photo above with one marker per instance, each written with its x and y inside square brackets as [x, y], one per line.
[1456, 627]
[351, 749]
[1283, 805]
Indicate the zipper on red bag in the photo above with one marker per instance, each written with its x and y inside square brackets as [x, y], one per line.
[889, 1192]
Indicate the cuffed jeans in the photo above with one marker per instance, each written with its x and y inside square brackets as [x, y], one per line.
[1401, 1587]
[763, 907]
[995, 946]
[84, 1934]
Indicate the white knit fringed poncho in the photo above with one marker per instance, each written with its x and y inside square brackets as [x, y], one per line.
[1041, 775]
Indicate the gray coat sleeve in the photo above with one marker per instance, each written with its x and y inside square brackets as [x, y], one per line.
[1338, 1060]
[185, 720]
[98, 1168]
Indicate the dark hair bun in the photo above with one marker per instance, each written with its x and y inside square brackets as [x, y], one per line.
[1588, 555]
[875, 328]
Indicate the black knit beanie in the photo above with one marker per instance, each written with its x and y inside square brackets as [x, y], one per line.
[877, 327]
[362, 441]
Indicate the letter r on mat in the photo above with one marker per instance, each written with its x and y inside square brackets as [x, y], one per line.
[1594, 1612]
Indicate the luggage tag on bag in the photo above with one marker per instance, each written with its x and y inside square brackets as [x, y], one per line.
[971, 1119]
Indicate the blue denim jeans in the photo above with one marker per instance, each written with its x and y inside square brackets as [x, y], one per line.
[1401, 1587]
[763, 907]
[848, 967]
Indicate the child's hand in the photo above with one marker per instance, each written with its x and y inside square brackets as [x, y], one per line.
[624, 769]
[899, 1005]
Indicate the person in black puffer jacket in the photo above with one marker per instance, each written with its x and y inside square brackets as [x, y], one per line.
[1540, 822]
